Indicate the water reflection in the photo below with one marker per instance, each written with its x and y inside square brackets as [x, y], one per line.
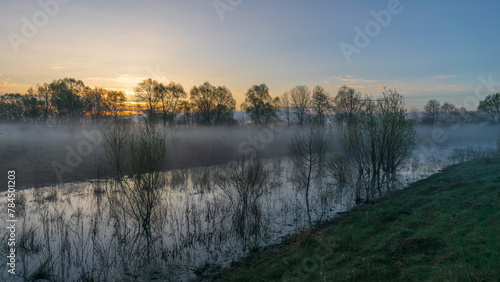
[201, 218]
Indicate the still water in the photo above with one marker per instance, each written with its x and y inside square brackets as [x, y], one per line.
[72, 231]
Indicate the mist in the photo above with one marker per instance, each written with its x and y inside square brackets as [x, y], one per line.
[34, 150]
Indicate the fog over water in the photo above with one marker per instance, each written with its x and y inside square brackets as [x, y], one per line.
[71, 231]
[33, 149]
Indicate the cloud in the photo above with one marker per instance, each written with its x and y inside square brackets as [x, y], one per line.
[443, 76]
[7, 87]
[351, 80]
[414, 87]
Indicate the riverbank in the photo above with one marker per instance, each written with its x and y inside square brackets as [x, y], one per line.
[443, 228]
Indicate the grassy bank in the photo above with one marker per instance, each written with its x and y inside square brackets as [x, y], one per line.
[444, 228]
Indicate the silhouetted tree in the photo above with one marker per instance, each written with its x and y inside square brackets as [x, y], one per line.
[66, 98]
[348, 103]
[116, 102]
[31, 106]
[44, 96]
[300, 98]
[186, 108]
[95, 102]
[244, 182]
[284, 105]
[321, 104]
[432, 112]
[212, 104]
[11, 107]
[464, 116]
[140, 156]
[449, 112]
[491, 106]
[308, 148]
[147, 94]
[259, 104]
[169, 99]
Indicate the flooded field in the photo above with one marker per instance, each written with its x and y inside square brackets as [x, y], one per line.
[197, 223]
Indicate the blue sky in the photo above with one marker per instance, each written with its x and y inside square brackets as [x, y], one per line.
[442, 50]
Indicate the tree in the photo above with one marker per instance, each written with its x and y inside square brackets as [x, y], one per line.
[95, 102]
[140, 156]
[169, 98]
[321, 104]
[491, 106]
[66, 97]
[432, 112]
[186, 108]
[300, 101]
[116, 102]
[308, 149]
[449, 112]
[212, 104]
[400, 136]
[464, 116]
[284, 105]
[147, 94]
[348, 103]
[259, 104]
[11, 107]
[244, 182]
[44, 96]
[378, 141]
[31, 106]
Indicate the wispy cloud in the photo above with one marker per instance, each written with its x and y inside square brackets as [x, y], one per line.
[7, 87]
[414, 87]
[351, 80]
[444, 76]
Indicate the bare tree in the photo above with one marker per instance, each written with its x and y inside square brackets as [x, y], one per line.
[300, 97]
[116, 102]
[449, 112]
[378, 141]
[339, 168]
[147, 94]
[138, 158]
[245, 182]
[308, 148]
[284, 105]
[348, 103]
[169, 97]
[44, 96]
[399, 136]
[432, 112]
[95, 102]
[116, 144]
[321, 104]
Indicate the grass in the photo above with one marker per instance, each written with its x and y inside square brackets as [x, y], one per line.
[444, 228]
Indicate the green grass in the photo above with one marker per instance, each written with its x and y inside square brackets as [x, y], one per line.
[444, 228]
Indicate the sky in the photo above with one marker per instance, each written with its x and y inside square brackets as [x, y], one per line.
[445, 50]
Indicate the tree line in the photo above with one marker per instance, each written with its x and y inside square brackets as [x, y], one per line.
[65, 99]
[69, 99]
[447, 113]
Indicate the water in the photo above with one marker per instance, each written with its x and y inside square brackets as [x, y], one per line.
[71, 232]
